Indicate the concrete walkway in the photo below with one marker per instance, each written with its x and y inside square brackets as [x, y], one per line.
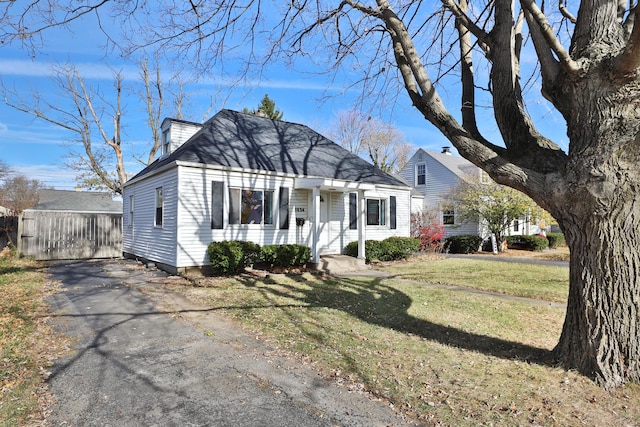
[136, 365]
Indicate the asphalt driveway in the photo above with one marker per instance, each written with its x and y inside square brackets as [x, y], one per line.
[135, 364]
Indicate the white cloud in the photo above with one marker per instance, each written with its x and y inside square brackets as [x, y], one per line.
[88, 70]
[31, 135]
[56, 176]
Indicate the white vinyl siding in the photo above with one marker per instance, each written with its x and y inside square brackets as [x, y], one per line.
[143, 238]
[195, 206]
[187, 215]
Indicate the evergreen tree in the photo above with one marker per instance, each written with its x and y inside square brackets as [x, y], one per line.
[267, 108]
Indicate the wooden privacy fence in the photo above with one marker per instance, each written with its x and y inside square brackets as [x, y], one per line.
[49, 235]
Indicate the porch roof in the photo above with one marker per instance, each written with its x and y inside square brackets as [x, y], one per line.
[330, 184]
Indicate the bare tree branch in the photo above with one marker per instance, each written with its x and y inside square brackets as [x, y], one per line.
[629, 61]
[459, 11]
[562, 7]
[554, 44]
[467, 78]
[153, 105]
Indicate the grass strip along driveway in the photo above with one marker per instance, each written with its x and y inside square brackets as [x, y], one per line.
[28, 344]
[442, 356]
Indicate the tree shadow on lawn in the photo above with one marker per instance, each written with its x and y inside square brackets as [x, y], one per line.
[378, 304]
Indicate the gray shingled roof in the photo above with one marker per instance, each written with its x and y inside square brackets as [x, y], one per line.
[77, 201]
[240, 140]
[460, 166]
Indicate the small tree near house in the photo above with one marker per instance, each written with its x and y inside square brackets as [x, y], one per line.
[17, 194]
[495, 206]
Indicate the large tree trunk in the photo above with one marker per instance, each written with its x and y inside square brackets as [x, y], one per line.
[600, 215]
[600, 333]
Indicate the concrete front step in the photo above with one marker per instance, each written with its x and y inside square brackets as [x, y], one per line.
[341, 264]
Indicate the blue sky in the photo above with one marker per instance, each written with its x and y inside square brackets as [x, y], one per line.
[37, 149]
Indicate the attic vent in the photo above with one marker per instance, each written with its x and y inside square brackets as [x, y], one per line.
[420, 156]
[446, 150]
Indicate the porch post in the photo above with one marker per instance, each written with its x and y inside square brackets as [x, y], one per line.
[362, 223]
[315, 206]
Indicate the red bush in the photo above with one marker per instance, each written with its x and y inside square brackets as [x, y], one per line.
[427, 227]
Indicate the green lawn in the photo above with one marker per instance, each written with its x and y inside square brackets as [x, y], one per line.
[443, 356]
[524, 280]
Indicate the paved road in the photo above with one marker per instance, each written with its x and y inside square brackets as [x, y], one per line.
[136, 365]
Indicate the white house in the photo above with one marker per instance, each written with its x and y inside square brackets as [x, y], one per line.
[244, 177]
[435, 174]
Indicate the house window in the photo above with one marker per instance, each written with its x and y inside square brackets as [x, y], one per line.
[166, 141]
[159, 207]
[484, 177]
[131, 211]
[421, 174]
[516, 225]
[376, 211]
[448, 216]
[250, 206]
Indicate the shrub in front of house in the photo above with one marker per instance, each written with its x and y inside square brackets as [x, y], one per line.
[292, 255]
[232, 256]
[372, 250]
[462, 244]
[389, 249]
[555, 240]
[527, 243]
[352, 249]
[395, 248]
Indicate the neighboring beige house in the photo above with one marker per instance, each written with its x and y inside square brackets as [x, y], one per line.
[244, 177]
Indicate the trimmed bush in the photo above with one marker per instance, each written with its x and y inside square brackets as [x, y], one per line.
[395, 248]
[389, 249]
[232, 256]
[373, 250]
[352, 249]
[293, 255]
[555, 240]
[527, 243]
[462, 244]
